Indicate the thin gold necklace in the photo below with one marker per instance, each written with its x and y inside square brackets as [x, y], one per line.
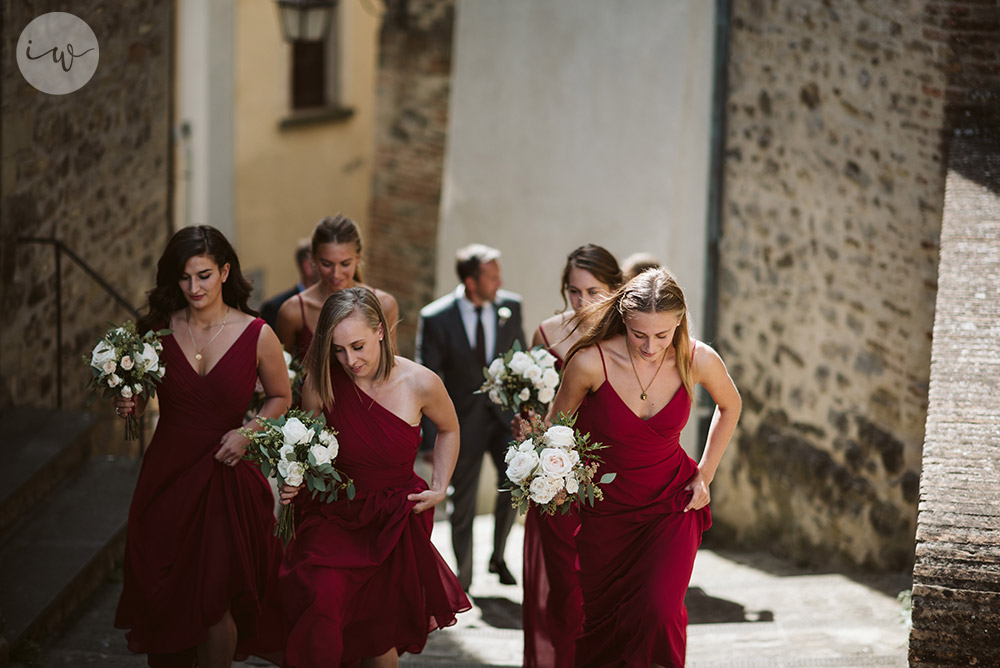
[197, 353]
[632, 362]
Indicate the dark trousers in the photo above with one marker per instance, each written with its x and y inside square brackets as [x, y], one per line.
[493, 440]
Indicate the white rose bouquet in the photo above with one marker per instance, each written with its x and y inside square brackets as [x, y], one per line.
[295, 448]
[554, 469]
[521, 380]
[127, 365]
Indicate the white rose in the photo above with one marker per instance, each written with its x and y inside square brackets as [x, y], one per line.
[321, 454]
[504, 313]
[109, 367]
[137, 389]
[544, 488]
[572, 485]
[296, 432]
[522, 465]
[555, 462]
[546, 394]
[283, 468]
[574, 457]
[126, 392]
[550, 378]
[559, 436]
[287, 356]
[287, 453]
[520, 362]
[148, 360]
[295, 473]
[524, 394]
[533, 373]
[526, 446]
[103, 352]
[494, 396]
[327, 438]
[496, 367]
[543, 357]
[511, 451]
[127, 363]
[114, 381]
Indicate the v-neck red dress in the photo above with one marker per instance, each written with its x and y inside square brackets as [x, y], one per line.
[199, 532]
[362, 577]
[637, 546]
[552, 608]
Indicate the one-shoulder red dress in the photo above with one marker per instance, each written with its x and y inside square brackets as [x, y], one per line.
[361, 576]
[552, 607]
[637, 546]
[199, 532]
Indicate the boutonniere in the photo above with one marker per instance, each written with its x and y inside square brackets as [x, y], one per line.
[503, 313]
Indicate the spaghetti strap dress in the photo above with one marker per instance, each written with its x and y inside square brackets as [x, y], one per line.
[305, 336]
[199, 532]
[637, 546]
[361, 577]
[552, 608]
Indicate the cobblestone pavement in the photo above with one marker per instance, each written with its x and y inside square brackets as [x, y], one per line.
[746, 611]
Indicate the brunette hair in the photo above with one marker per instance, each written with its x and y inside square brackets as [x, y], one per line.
[185, 244]
[596, 261]
[337, 308]
[338, 229]
[653, 291]
[469, 260]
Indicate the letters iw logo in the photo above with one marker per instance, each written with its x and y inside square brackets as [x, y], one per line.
[57, 53]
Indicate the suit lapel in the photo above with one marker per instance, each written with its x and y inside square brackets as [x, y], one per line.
[458, 327]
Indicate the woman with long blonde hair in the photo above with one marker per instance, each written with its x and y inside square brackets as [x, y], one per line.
[630, 380]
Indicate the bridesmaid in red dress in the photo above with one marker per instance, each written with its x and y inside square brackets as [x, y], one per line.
[200, 556]
[552, 611]
[630, 379]
[361, 580]
[336, 254]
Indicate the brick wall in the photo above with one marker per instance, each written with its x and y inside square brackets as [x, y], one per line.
[828, 274]
[89, 168]
[414, 77]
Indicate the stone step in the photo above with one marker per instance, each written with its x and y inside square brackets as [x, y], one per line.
[39, 449]
[58, 554]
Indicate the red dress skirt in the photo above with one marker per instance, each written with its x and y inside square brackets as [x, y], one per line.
[361, 577]
[199, 532]
[637, 546]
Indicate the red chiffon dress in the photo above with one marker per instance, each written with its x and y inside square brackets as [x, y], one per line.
[637, 546]
[552, 610]
[361, 577]
[199, 532]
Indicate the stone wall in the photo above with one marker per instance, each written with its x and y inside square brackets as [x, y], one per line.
[828, 274]
[414, 77]
[89, 168]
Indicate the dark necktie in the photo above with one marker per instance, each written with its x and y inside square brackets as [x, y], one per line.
[480, 349]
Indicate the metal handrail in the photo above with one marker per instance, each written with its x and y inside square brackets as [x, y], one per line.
[60, 249]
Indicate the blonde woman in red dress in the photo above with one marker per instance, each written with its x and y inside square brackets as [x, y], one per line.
[630, 380]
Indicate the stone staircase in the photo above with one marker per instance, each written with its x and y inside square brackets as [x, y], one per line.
[63, 511]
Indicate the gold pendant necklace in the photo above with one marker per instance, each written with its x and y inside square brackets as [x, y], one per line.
[197, 353]
[628, 349]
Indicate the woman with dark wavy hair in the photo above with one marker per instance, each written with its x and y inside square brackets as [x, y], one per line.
[552, 611]
[630, 380]
[200, 557]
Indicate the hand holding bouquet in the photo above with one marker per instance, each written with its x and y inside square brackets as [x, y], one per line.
[554, 469]
[520, 381]
[127, 365]
[297, 448]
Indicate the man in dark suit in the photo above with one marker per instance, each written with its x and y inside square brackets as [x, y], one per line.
[307, 276]
[457, 336]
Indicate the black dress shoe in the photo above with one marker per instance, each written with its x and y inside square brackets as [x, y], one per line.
[500, 568]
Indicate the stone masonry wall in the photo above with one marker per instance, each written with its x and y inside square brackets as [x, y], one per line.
[89, 168]
[828, 274]
[414, 78]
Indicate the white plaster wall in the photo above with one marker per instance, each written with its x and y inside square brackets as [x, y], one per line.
[576, 121]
